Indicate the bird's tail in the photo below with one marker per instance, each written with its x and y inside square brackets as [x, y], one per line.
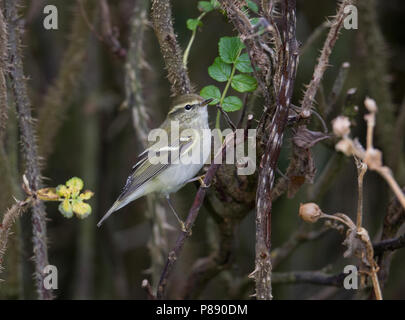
[117, 205]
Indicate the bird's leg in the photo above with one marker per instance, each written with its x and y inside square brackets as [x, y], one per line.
[200, 179]
[181, 222]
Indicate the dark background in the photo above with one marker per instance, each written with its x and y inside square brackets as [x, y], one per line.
[97, 142]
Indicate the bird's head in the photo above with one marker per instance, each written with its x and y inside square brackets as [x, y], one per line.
[188, 108]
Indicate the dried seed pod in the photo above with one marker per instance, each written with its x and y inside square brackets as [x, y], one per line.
[310, 212]
[341, 126]
[371, 105]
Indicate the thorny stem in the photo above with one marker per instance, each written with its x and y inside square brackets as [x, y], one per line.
[8, 220]
[323, 60]
[190, 43]
[29, 147]
[161, 14]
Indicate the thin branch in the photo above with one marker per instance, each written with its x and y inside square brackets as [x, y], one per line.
[389, 244]
[337, 87]
[162, 23]
[110, 33]
[191, 217]
[287, 51]
[298, 238]
[323, 61]
[312, 277]
[206, 268]
[361, 171]
[8, 220]
[268, 163]
[393, 220]
[29, 147]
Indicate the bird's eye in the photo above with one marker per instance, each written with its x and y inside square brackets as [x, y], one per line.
[187, 107]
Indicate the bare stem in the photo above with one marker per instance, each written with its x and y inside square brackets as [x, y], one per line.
[361, 171]
[190, 43]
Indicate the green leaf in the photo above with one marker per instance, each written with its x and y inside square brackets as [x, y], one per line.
[243, 63]
[192, 24]
[219, 70]
[244, 83]
[209, 92]
[86, 195]
[62, 191]
[205, 6]
[231, 104]
[252, 6]
[75, 184]
[215, 4]
[82, 209]
[229, 48]
[66, 209]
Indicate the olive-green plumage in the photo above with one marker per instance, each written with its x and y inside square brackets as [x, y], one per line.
[189, 112]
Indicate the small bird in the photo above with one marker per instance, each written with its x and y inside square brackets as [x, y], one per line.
[190, 112]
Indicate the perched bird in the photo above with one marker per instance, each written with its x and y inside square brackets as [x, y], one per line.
[190, 113]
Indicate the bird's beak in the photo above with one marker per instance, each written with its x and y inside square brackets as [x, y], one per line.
[206, 102]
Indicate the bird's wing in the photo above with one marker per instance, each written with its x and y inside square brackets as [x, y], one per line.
[144, 170]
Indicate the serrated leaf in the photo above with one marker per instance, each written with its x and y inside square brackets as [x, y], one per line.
[205, 6]
[65, 208]
[86, 195]
[209, 92]
[244, 83]
[243, 63]
[82, 209]
[192, 24]
[229, 48]
[231, 104]
[75, 182]
[252, 6]
[63, 191]
[219, 70]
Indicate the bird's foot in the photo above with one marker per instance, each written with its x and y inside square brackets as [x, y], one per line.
[201, 180]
